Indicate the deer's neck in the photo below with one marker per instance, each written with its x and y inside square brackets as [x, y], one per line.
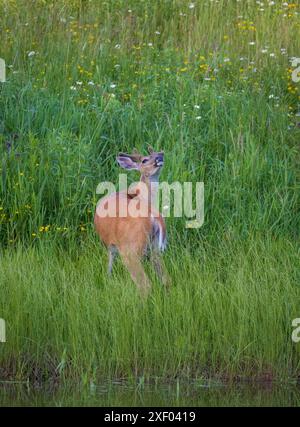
[152, 183]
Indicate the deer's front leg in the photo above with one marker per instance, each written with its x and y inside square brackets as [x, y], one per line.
[112, 252]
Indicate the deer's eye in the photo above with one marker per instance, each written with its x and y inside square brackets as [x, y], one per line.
[145, 161]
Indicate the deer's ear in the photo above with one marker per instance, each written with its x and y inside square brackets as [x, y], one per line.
[150, 149]
[126, 162]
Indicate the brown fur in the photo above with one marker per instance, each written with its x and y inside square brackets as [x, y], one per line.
[130, 235]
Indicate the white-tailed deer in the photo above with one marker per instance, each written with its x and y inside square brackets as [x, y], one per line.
[128, 222]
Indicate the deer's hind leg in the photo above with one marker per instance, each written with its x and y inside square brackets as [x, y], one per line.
[134, 265]
[160, 268]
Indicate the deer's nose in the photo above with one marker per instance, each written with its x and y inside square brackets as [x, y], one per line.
[159, 160]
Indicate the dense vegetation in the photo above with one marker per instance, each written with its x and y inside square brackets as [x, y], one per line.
[210, 83]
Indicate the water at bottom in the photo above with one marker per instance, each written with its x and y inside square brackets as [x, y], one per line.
[122, 393]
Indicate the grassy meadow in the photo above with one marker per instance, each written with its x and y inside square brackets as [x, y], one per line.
[210, 83]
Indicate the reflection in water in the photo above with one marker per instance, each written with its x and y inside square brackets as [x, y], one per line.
[118, 393]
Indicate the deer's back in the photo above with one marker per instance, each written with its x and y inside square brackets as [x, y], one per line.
[128, 233]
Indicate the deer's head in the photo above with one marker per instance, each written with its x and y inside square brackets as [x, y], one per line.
[148, 166]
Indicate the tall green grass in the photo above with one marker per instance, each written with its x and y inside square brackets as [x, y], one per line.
[229, 313]
[211, 86]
